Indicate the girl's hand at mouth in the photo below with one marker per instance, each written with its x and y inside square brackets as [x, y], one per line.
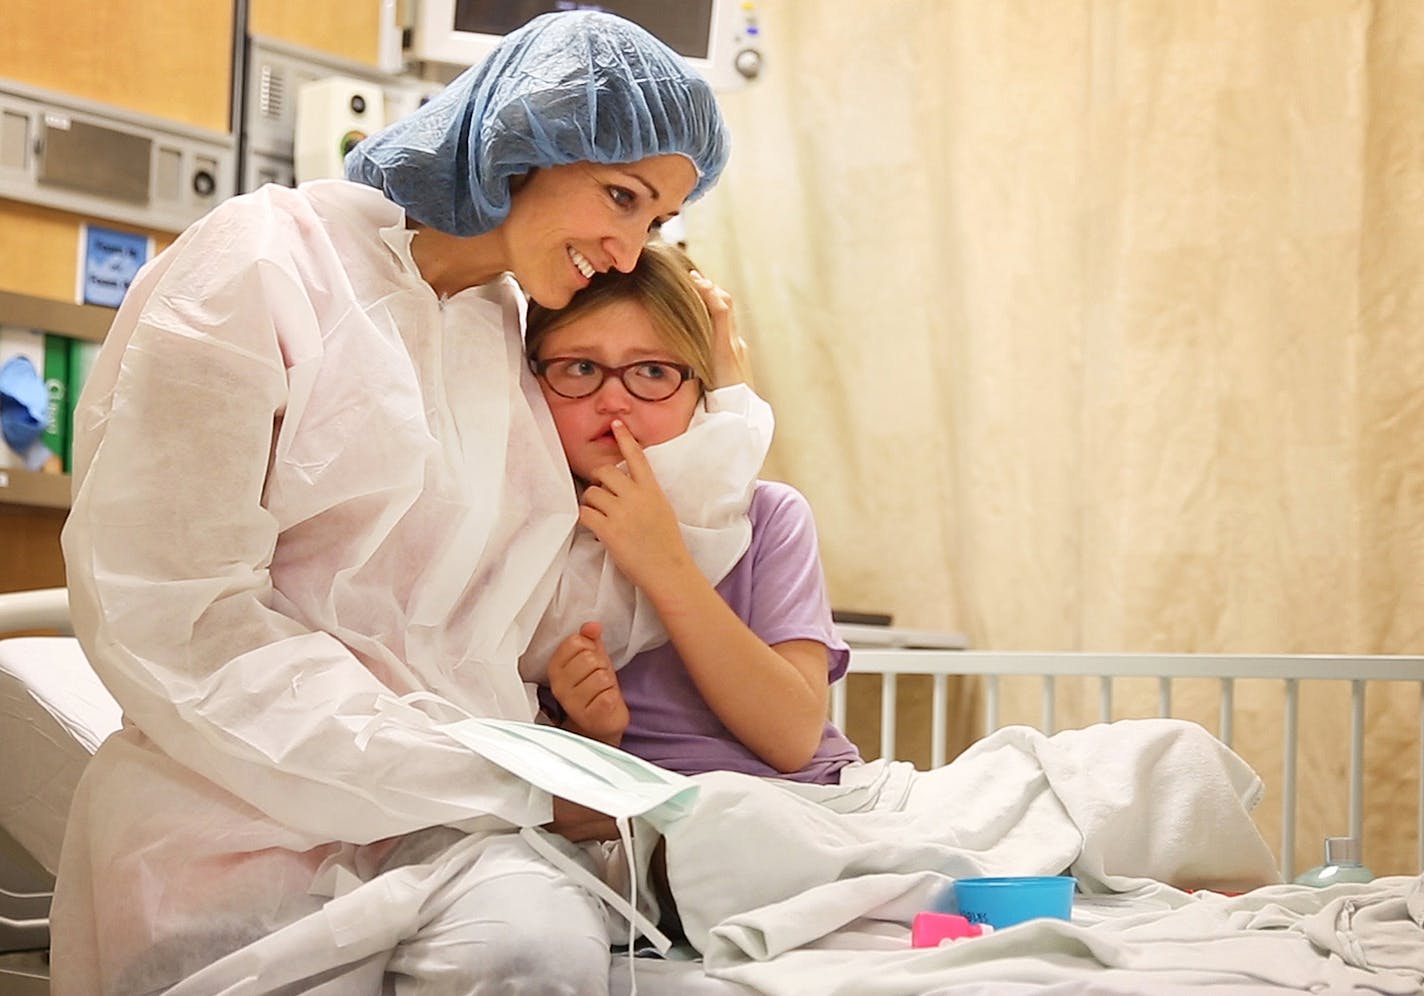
[632, 517]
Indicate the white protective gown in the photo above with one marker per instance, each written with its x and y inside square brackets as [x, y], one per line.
[317, 511]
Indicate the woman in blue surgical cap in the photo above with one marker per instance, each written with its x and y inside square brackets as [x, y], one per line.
[319, 508]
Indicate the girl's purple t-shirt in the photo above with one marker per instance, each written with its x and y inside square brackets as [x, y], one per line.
[779, 590]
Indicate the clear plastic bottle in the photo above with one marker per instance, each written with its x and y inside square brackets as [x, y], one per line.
[1342, 864]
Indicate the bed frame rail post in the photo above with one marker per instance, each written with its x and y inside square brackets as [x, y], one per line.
[1288, 777]
[940, 721]
[1228, 710]
[888, 703]
[1357, 761]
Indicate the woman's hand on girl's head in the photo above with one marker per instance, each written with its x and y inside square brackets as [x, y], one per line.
[633, 519]
[583, 680]
[729, 350]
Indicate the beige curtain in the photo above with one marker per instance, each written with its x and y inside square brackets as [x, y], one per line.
[1098, 325]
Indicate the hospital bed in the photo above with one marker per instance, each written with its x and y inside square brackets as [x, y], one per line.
[54, 713]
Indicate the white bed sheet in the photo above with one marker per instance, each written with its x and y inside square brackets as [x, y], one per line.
[1126, 807]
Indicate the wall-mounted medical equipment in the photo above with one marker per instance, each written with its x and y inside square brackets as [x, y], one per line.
[333, 115]
[721, 38]
[90, 159]
[277, 73]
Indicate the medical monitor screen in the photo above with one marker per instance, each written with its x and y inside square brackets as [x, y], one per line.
[685, 26]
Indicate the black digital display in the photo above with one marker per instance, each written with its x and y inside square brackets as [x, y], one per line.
[685, 26]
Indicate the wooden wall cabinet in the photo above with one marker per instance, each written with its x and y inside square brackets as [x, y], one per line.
[33, 506]
[170, 60]
[77, 321]
[339, 28]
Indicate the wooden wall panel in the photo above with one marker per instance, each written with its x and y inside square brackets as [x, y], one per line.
[42, 251]
[168, 58]
[41, 256]
[336, 27]
[29, 548]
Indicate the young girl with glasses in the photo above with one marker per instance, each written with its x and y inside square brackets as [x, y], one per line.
[743, 680]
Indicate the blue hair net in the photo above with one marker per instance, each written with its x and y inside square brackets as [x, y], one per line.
[571, 86]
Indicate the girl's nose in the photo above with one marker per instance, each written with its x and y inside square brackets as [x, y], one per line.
[612, 397]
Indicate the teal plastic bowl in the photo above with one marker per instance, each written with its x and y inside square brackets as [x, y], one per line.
[1004, 901]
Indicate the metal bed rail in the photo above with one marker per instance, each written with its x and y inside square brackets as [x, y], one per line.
[42, 609]
[941, 665]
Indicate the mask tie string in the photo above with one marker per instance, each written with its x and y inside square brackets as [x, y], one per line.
[637, 922]
[625, 837]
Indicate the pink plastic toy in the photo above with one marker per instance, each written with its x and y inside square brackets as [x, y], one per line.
[930, 930]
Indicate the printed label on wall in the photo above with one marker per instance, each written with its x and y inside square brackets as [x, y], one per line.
[110, 261]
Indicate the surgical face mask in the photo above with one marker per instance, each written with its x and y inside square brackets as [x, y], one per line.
[591, 774]
[581, 770]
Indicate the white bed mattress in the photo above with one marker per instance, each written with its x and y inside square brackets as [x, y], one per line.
[54, 713]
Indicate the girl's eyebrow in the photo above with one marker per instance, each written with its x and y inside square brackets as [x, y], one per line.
[653, 353]
[591, 351]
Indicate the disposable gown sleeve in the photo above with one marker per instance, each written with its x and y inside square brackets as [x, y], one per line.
[168, 546]
[708, 474]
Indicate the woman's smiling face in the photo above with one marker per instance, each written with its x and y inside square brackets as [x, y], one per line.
[567, 223]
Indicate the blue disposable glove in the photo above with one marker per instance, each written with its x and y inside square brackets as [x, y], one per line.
[24, 403]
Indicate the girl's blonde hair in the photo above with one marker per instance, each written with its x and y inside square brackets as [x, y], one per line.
[661, 283]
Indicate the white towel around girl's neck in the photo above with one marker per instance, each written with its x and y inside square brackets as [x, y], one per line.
[708, 473]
